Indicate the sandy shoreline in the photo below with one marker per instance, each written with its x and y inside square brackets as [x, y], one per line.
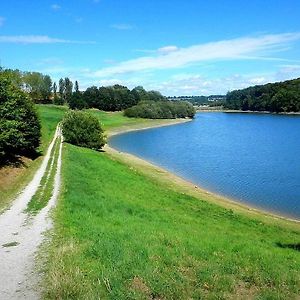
[181, 184]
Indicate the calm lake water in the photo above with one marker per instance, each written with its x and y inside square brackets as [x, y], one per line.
[251, 158]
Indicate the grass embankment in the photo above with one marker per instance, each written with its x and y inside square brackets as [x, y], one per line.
[13, 178]
[120, 234]
[50, 116]
[115, 122]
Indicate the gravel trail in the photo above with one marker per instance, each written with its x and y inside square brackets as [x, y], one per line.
[21, 235]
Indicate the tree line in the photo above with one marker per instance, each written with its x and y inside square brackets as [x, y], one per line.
[161, 110]
[273, 97]
[41, 89]
[112, 98]
[136, 102]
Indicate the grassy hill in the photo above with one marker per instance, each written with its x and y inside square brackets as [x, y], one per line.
[126, 232]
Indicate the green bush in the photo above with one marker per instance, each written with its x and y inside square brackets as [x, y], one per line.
[161, 110]
[19, 123]
[82, 129]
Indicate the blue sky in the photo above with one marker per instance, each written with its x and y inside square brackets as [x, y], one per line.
[177, 47]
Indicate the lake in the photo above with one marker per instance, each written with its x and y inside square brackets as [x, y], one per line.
[250, 158]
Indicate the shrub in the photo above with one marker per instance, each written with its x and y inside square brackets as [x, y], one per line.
[161, 110]
[83, 129]
[19, 123]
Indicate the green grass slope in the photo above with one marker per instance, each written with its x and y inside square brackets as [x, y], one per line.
[120, 234]
[50, 116]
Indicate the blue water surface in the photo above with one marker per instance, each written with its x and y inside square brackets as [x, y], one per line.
[251, 158]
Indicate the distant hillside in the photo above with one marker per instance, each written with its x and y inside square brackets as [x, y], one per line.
[274, 97]
[200, 100]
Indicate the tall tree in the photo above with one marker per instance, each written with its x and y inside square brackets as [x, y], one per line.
[61, 89]
[54, 88]
[76, 87]
[140, 94]
[15, 76]
[46, 88]
[19, 122]
[68, 89]
[56, 99]
[34, 85]
[92, 98]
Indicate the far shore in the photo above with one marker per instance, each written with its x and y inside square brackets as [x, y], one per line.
[181, 184]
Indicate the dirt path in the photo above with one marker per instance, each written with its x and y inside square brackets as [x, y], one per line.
[21, 235]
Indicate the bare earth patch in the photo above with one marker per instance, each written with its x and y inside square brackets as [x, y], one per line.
[242, 291]
[9, 174]
[139, 286]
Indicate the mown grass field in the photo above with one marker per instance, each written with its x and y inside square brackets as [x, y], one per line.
[14, 177]
[120, 234]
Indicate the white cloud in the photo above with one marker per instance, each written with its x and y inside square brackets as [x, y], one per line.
[109, 61]
[55, 7]
[240, 48]
[167, 49]
[195, 84]
[288, 72]
[37, 39]
[200, 85]
[290, 68]
[55, 70]
[2, 20]
[176, 85]
[122, 26]
[109, 82]
[257, 80]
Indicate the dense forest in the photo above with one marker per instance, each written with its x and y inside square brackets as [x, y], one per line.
[161, 110]
[113, 98]
[273, 97]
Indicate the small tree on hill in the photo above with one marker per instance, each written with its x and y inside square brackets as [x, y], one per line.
[83, 129]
